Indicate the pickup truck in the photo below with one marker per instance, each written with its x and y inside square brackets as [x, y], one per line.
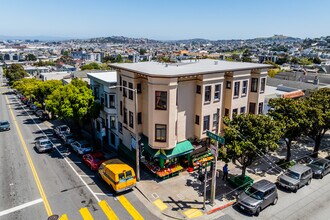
[4, 126]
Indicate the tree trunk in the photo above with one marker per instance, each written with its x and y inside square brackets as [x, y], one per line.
[317, 146]
[288, 150]
[243, 170]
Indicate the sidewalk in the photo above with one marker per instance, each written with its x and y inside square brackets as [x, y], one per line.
[181, 197]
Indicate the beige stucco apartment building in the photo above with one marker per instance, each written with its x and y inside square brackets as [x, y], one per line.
[179, 101]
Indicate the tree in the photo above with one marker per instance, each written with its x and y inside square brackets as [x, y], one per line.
[28, 87]
[305, 61]
[272, 63]
[90, 66]
[317, 60]
[295, 60]
[72, 101]
[14, 73]
[318, 115]
[290, 113]
[246, 56]
[249, 135]
[282, 60]
[31, 57]
[272, 72]
[142, 51]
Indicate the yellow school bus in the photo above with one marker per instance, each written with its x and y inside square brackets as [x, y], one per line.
[118, 175]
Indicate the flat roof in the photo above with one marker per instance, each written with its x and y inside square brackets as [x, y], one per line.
[109, 77]
[187, 67]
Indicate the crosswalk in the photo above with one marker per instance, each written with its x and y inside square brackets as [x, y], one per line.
[108, 211]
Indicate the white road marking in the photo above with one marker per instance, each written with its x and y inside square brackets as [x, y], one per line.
[104, 194]
[65, 158]
[91, 176]
[14, 209]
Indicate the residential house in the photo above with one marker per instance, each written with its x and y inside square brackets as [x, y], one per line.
[104, 91]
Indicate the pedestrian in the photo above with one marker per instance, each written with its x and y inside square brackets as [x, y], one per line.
[225, 172]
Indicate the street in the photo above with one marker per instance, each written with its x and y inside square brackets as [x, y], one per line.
[34, 186]
[310, 202]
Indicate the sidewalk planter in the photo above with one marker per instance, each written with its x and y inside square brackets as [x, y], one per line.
[238, 182]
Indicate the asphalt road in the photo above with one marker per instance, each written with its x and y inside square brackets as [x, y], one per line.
[310, 202]
[50, 183]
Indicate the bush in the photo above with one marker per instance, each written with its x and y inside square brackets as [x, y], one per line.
[285, 165]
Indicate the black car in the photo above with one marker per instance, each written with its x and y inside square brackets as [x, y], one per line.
[4, 126]
[320, 167]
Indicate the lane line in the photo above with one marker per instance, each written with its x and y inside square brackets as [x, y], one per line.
[90, 176]
[34, 172]
[130, 208]
[111, 215]
[17, 208]
[104, 194]
[63, 156]
[86, 215]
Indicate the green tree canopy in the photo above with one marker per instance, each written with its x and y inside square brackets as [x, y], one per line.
[31, 57]
[249, 135]
[14, 73]
[290, 113]
[318, 115]
[95, 66]
[72, 101]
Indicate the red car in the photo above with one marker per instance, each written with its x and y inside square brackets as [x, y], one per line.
[94, 160]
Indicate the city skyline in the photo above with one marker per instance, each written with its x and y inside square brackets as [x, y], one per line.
[170, 20]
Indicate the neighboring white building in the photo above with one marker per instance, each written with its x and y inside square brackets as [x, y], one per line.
[53, 75]
[106, 129]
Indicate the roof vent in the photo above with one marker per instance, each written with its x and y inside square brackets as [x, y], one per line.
[215, 62]
[166, 65]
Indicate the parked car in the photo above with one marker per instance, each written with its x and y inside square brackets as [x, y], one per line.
[4, 126]
[257, 197]
[327, 157]
[61, 129]
[296, 177]
[44, 116]
[94, 160]
[320, 167]
[33, 107]
[81, 147]
[43, 145]
[118, 175]
[67, 138]
[38, 112]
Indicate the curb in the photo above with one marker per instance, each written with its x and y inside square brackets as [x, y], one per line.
[220, 208]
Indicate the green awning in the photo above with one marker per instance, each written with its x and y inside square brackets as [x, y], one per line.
[182, 148]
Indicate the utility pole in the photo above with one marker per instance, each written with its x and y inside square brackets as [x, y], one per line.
[214, 164]
[205, 185]
[137, 153]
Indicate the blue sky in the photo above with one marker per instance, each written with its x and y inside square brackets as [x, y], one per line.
[165, 19]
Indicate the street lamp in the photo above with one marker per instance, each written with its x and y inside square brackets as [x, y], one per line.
[137, 150]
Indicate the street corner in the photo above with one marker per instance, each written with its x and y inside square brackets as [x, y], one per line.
[193, 213]
[160, 205]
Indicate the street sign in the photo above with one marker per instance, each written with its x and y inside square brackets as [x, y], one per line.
[215, 137]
